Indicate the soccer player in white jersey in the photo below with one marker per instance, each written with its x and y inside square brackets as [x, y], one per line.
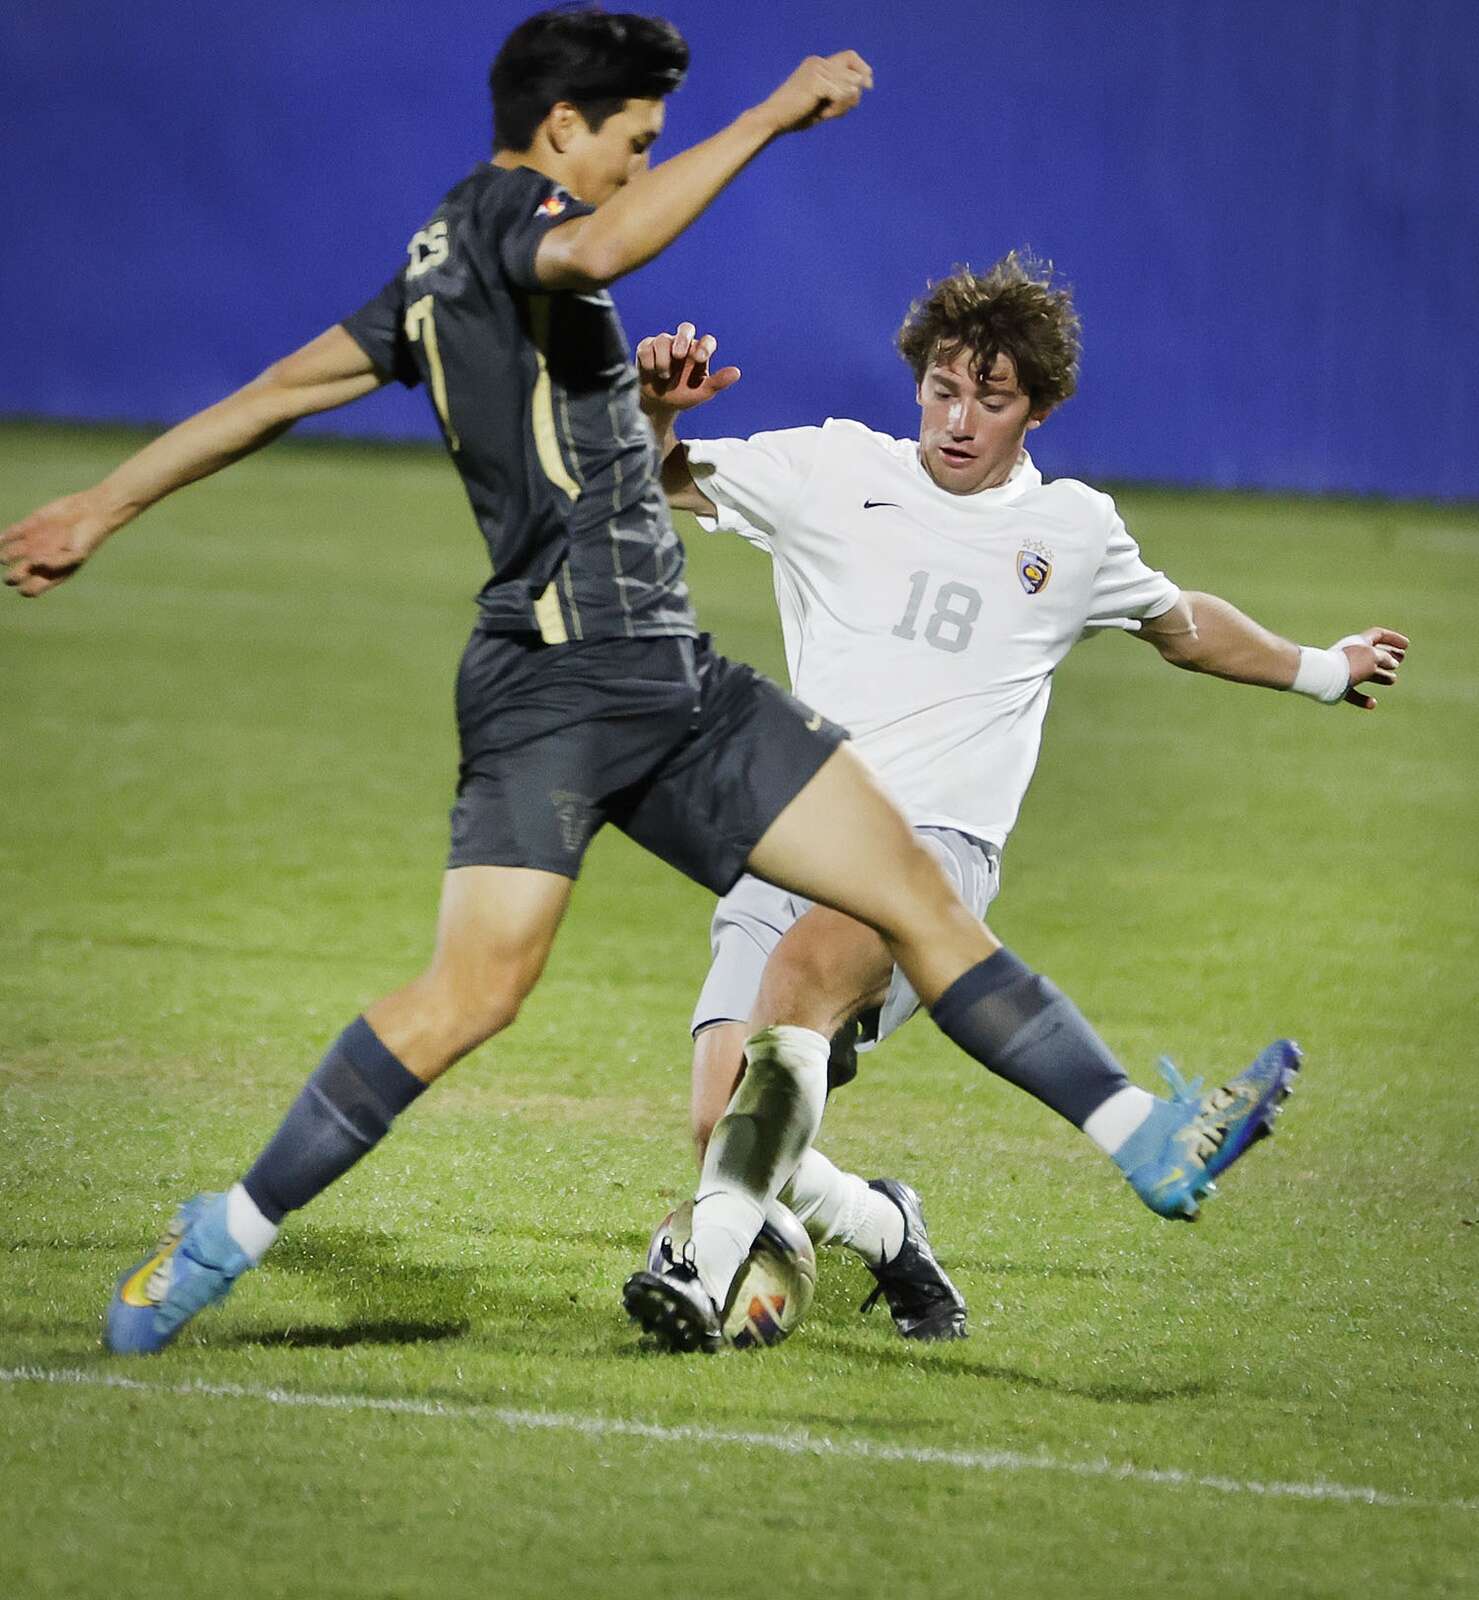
[927, 591]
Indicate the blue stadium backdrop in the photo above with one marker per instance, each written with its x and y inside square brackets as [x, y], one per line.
[1268, 210]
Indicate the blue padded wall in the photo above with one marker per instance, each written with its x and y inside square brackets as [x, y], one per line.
[1268, 211]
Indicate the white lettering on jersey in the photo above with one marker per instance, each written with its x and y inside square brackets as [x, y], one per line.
[428, 248]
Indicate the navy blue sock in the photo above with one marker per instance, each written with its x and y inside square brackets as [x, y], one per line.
[1023, 1027]
[342, 1112]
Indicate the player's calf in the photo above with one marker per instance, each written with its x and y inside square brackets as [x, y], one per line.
[757, 1144]
[341, 1113]
[1016, 1022]
[1021, 1026]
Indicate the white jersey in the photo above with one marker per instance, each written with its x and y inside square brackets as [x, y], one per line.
[927, 623]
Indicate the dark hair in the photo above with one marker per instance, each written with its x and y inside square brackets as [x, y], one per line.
[1013, 309]
[597, 60]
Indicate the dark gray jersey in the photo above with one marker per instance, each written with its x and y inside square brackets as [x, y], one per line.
[537, 399]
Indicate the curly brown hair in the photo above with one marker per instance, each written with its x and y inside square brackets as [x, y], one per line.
[1012, 309]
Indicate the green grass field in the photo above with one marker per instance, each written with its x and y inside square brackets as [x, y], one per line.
[225, 759]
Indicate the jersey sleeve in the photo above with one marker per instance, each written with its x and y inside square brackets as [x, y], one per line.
[379, 329]
[726, 521]
[1125, 588]
[516, 216]
[755, 483]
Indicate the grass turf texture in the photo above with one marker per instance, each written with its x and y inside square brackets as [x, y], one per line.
[227, 756]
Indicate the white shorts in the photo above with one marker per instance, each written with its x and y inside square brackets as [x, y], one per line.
[750, 920]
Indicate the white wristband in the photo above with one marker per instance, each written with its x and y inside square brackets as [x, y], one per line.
[1323, 675]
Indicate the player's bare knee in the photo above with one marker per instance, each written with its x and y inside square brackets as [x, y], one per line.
[798, 966]
[820, 1007]
[468, 1012]
[798, 988]
[499, 1003]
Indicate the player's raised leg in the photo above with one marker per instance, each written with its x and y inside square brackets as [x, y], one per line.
[1012, 1020]
[494, 933]
[856, 836]
[842, 842]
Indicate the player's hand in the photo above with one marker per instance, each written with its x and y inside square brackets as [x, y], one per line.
[1375, 656]
[46, 548]
[821, 88]
[674, 373]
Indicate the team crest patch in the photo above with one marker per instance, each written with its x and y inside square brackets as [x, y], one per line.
[552, 207]
[1034, 568]
[577, 818]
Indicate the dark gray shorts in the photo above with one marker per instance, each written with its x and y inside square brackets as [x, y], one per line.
[691, 755]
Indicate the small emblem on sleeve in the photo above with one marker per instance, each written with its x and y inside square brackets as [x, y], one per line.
[1034, 568]
[551, 207]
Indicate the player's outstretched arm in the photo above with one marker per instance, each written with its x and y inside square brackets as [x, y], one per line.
[646, 215]
[47, 547]
[675, 376]
[1203, 633]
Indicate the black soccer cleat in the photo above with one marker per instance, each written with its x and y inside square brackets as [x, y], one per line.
[674, 1310]
[923, 1301]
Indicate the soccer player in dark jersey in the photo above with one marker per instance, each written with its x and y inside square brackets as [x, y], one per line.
[585, 694]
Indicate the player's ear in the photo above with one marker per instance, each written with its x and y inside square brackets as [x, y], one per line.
[562, 124]
[1037, 418]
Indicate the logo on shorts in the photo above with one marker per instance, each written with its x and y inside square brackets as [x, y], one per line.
[1034, 567]
[576, 816]
[552, 207]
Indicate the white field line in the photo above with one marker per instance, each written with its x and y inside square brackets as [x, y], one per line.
[792, 1444]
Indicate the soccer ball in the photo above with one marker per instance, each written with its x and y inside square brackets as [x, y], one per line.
[772, 1289]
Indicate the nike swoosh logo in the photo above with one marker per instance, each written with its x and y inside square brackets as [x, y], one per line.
[135, 1292]
[814, 722]
[873, 505]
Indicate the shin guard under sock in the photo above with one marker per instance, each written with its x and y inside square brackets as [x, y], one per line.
[342, 1112]
[1025, 1029]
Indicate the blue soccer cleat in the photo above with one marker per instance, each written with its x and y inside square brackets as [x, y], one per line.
[195, 1265]
[1173, 1157]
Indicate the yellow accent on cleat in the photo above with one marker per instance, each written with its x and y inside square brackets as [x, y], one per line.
[135, 1291]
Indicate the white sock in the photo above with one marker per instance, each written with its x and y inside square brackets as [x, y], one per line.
[1114, 1121]
[837, 1207]
[724, 1228]
[772, 1119]
[246, 1224]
